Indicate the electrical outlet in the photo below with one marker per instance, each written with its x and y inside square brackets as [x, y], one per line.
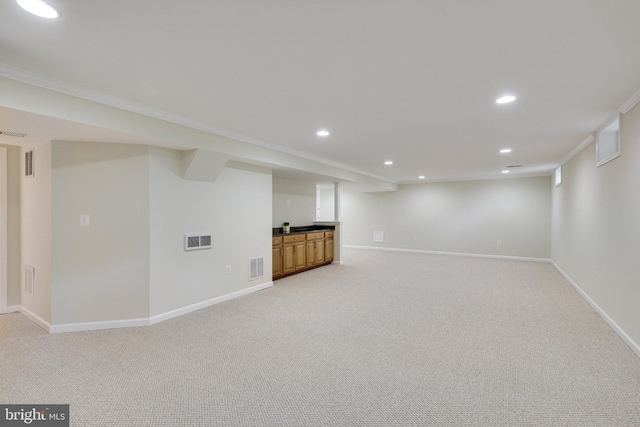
[499, 243]
[228, 269]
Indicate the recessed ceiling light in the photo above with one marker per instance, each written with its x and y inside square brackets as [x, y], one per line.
[39, 8]
[505, 171]
[505, 150]
[322, 133]
[506, 99]
[388, 162]
[421, 177]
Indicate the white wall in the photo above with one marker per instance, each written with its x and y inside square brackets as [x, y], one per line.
[293, 202]
[13, 225]
[595, 227]
[35, 226]
[236, 209]
[326, 203]
[464, 217]
[100, 272]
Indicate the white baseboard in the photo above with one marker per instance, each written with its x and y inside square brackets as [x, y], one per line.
[35, 319]
[421, 251]
[13, 309]
[128, 323]
[337, 262]
[618, 330]
[208, 303]
[95, 326]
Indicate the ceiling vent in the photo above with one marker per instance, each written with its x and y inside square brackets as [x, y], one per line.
[16, 134]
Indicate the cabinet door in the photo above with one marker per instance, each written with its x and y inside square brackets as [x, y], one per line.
[328, 250]
[311, 253]
[288, 264]
[276, 256]
[319, 251]
[300, 260]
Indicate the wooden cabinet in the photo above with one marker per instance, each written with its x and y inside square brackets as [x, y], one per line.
[297, 252]
[328, 246]
[276, 255]
[293, 253]
[315, 252]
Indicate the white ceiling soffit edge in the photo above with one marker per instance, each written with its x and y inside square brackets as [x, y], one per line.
[113, 101]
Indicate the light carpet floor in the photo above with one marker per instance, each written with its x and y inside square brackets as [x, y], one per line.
[388, 339]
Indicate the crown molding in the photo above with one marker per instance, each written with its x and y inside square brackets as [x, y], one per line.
[588, 140]
[55, 85]
[631, 102]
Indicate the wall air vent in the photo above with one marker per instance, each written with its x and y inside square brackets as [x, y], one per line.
[514, 166]
[256, 268]
[29, 279]
[28, 164]
[15, 134]
[197, 241]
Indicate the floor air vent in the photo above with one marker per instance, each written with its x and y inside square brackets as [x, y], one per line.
[256, 268]
[197, 241]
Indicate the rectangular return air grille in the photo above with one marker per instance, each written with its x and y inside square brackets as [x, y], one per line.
[256, 268]
[29, 279]
[197, 241]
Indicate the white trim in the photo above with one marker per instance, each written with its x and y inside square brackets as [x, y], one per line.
[337, 262]
[631, 102]
[190, 308]
[35, 318]
[132, 323]
[13, 309]
[617, 329]
[4, 265]
[588, 140]
[95, 326]
[421, 251]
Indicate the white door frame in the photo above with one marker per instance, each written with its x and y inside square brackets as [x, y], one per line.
[3, 230]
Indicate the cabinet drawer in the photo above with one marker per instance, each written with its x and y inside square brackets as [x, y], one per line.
[314, 236]
[276, 241]
[328, 234]
[294, 238]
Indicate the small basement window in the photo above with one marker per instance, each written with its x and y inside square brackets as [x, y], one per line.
[557, 177]
[608, 142]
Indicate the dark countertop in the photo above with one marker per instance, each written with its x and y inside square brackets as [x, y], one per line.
[302, 229]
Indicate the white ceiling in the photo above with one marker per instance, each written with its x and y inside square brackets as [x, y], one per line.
[410, 81]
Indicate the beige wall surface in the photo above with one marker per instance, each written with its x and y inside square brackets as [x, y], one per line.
[235, 209]
[293, 202]
[101, 271]
[35, 226]
[595, 227]
[463, 217]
